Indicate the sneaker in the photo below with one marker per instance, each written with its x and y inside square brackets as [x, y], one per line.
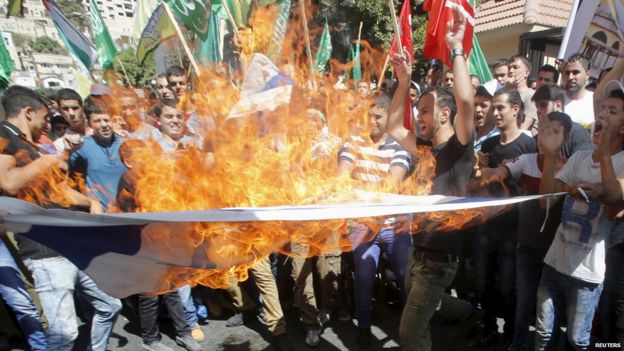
[188, 342]
[324, 316]
[364, 338]
[313, 337]
[235, 321]
[197, 333]
[156, 346]
[282, 343]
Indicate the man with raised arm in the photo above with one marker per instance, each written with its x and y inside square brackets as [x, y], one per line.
[446, 119]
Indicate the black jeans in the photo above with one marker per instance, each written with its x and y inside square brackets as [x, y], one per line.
[148, 315]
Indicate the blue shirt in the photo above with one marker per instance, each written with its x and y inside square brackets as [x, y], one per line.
[101, 167]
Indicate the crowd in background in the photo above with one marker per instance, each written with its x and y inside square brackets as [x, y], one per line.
[548, 263]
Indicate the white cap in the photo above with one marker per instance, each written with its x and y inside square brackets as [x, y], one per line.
[613, 86]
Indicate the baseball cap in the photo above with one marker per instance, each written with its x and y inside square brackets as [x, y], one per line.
[614, 85]
[489, 88]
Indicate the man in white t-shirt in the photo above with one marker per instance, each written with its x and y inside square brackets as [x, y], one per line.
[575, 262]
[519, 70]
[579, 102]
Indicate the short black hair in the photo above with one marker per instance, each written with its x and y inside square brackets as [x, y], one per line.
[523, 59]
[18, 97]
[513, 97]
[551, 69]
[58, 119]
[616, 94]
[563, 118]
[155, 110]
[68, 94]
[175, 71]
[579, 58]
[96, 104]
[549, 93]
[169, 102]
[498, 63]
[444, 98]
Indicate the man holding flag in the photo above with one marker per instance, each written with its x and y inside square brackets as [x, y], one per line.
[446, 119]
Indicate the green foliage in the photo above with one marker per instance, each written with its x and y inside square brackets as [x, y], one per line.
[76, 12]
[138, 75]
[21, 40]
[46, 45]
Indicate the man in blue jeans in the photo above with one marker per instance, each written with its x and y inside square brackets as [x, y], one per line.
[55, 277]
[575, 266]
[375, 159]
[14, 293]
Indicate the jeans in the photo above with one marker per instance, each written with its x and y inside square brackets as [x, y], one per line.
[557, 292]
[495, 255]
[14, 293]
[528, 271]
[55, 281]
[612, 299]
[429, 276]
[366, 260]
[148, 316]
[190, 312]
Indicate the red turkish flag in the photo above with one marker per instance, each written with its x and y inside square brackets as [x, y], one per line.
[441, 13]
[405, 27]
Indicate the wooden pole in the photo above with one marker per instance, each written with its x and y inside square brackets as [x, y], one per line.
[383, 70]
[123, 69]
[181, 36]
[397, 30]
[360, 33]
[231, 19]
[307, 41]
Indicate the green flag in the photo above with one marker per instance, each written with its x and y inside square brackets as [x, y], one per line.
[281, 23]
[194, 14]
[323, 54]
[477, 64]
[103, 41]
[240, 10]
[357, 64]
[210, 50]
[6, 64]
[14, 7]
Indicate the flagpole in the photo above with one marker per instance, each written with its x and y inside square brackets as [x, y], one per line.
[181, 36]
[123, 69]
[397, 30]
[360, 33]
[307, 41]
[231, 19]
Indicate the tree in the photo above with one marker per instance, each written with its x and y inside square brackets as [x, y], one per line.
[76, 12]
[46, 45]
[21, 40]
[138, 75]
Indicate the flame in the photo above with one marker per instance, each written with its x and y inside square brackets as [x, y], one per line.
[261, 160]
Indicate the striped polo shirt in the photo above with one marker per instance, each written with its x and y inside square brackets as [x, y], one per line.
[373, 161]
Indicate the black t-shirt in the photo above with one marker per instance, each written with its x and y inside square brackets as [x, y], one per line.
[14, 143]
[506, 223]
[454, 164]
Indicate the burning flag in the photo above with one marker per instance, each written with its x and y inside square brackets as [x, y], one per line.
[440, 14]
[264, 89]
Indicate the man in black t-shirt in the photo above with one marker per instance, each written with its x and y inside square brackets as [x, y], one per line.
[447, 120]
[494, 250]
[55, 277]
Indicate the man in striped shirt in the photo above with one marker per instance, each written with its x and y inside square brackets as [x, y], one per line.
[373, 159]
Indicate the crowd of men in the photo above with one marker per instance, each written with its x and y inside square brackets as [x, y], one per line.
[552, 263]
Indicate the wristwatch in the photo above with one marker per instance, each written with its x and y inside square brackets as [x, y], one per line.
[456, 52]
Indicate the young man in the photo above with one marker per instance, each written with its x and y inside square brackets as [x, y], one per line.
[575, 262]
[485, 124]
[495, 246]
[178, 84]
[70, 107]
[519, 72]
[448, 81]
[55, 277]
[547, 75]
[550, 98]
[579, 102]
[130, 111]
[162, 87]
[375, 159]
[446, 120]
[500, 71]
[533, 239]
[363, 89]
[97, 161]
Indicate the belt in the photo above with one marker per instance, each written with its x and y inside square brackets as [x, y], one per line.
[435, 256]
